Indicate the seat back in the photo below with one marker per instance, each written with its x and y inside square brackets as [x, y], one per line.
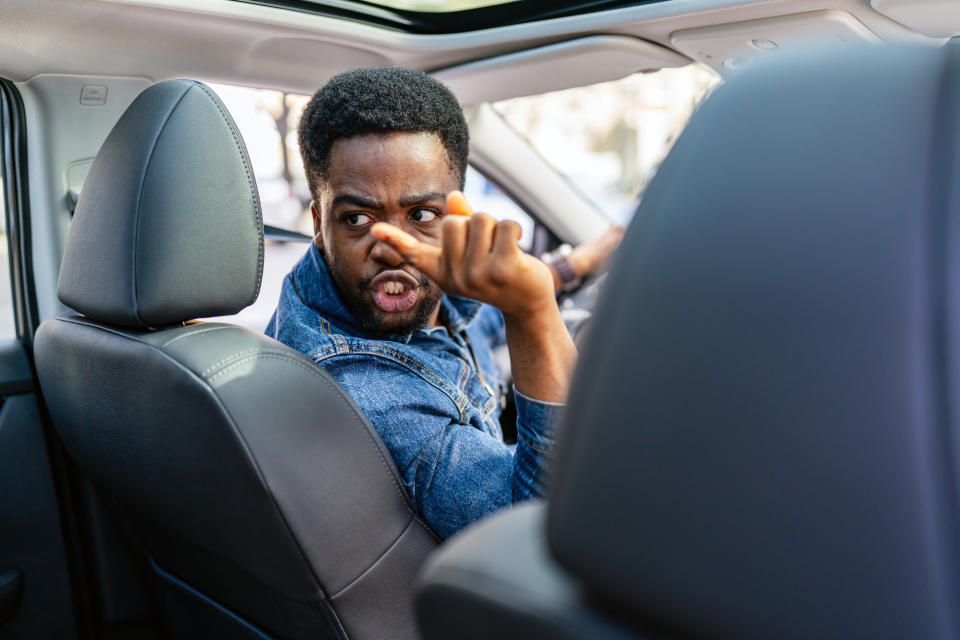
[763, 433]
[266, 501]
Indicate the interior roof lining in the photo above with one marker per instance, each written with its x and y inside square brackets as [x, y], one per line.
[224, 41]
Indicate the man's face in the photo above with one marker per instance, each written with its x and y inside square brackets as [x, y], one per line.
[401, 178]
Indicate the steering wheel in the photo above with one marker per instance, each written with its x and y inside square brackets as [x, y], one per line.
[576, 307]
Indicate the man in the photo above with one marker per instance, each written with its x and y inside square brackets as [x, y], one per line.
[389, 297]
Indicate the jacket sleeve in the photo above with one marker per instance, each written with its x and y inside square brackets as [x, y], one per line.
[455, 473]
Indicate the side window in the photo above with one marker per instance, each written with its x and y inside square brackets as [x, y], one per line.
[8, 329]
[487, 197]
[268, 123]
[608, 139]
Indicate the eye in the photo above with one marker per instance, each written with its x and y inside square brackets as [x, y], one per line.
[424, 215]
[357, 219]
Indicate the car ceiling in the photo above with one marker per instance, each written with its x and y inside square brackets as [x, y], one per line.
[256, 45]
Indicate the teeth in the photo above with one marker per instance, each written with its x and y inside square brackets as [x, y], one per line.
[393, 288]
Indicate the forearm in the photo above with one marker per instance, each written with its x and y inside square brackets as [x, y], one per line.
[542, 354]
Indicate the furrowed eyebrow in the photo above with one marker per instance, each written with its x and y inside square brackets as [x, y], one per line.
[358, 201]
[408, 201]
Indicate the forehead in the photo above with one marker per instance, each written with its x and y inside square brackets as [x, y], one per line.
[388, 164]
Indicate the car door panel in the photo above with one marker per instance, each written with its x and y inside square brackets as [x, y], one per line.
[31, 539]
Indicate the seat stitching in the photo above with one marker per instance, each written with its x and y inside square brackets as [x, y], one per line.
[233, 357]
[233, 424]
[136, 223]
[197, 332]
[374, 564]
[313, 369]
[362, 419]
[241, 148]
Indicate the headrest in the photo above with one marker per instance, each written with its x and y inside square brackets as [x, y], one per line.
[168, 224]
[763, 437]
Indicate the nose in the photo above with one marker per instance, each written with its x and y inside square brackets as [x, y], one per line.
[384, 253]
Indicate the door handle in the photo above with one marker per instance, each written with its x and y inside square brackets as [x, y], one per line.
[11, 593]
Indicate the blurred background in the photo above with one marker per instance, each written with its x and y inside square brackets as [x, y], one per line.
[607, 139]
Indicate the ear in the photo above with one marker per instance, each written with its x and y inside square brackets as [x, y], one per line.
[317, 237]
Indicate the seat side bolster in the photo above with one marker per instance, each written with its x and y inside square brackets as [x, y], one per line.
[499, 575]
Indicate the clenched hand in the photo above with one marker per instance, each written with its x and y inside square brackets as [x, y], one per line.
[479, 258]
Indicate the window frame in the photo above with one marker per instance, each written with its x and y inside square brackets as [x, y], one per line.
[544, 238]
[17, 211]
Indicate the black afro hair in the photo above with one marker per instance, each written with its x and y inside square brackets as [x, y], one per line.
[380, 100]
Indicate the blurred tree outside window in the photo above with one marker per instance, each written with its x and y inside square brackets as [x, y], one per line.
[268, 123]
[267, 120]
[609, 138]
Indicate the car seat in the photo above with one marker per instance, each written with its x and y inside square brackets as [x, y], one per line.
[267, 503]
[763, 434]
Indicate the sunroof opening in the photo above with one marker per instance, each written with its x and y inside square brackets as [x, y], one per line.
[438, 6]
[448, 16]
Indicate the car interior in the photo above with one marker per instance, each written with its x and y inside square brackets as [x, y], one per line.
[761, 443]
[760, 435]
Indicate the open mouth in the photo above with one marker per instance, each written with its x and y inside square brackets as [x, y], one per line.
[394, 291]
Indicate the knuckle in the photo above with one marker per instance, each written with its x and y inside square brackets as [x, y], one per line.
[471, 279]
[481, 221]
[450, 225]
[452, 276]
[509, 226]
[499, 273]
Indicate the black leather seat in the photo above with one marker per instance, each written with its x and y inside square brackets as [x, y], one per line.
[763, 434]
[267, 503]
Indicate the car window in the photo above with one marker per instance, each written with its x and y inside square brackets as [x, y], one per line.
[8, 329]
[267, 120]
[484, 195]
[268, 123]
[609, 138]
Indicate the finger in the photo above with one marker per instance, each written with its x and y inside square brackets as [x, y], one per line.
[424, 257]
[453, 232]
[457, 204]
[505, 238]
[479, 242]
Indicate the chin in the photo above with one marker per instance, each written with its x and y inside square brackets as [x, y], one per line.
[396, 322]
[377, 322]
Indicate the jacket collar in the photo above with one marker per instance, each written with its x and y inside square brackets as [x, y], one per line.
[316, 290]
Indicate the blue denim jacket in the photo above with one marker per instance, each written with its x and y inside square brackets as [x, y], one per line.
[434, 397]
